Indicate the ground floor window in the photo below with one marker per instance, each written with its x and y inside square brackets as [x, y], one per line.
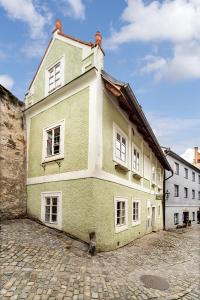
[51, 208]
[193, 216]
[121, 222]
[135, 212]
[176, 219]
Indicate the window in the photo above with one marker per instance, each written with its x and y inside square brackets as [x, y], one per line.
[176, 168]
[186, 173]
[199, 195]
[53, 142]
[147, 167]
[120, 214]
[176, 190]
[120, 144]
[159, 176]
[185, 192]
[193, 194]
[51, 208]
[176, 219]
[153, 173]
[136, 160]
[148, 214]
[199, 179]
[136, 213]
[193, 176]
[54, 76]
[193, 216]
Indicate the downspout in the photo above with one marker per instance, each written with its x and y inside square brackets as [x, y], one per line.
[164, 193]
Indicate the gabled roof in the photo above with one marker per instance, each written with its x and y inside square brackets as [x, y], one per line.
[128, 102]
[169, 152]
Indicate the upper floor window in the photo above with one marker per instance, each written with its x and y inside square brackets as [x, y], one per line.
[54, 76]
[185, 192]
[199, 179]
[176, 190]
[193, 176]
[199, 195]
[120, 146]
[159, 175]
[176, 168]
[193, 194]
[136, 159]
[186, 173]
[53, 142]
[136, 213]
[153, 173]
[121, 217]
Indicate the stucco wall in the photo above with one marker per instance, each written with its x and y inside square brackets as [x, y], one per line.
[12, 156]
[88, 205]
[75, 111]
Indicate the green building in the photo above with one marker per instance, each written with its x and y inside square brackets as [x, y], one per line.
[93, 162]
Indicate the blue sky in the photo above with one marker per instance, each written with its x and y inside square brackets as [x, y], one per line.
[155, 46]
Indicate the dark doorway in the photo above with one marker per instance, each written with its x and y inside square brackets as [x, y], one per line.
[185, 217]
[198, 216]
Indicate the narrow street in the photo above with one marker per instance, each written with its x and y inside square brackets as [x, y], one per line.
[40, 263]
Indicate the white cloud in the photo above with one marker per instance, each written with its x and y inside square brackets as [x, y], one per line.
[174, 21]
[26, 11]
[6, 81]
[76, 9]
[188, 155]
[176, 133]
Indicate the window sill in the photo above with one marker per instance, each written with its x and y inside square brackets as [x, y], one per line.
[52, 158]
[136, 223]
[121, 166]
[121, 228]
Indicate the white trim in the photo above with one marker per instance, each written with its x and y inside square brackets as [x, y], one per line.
[57, 225]
[121, 228]
[117, 129]
[62, 75]
[140, 159]
[46, 158]
[138, 222]
[99, 174]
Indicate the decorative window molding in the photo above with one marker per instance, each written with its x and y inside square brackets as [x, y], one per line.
[136, 212]
[51, 209]
[136, 159]
[176, 218]
[53, 142]
[120, 146]
[54, 76]
[121, 214]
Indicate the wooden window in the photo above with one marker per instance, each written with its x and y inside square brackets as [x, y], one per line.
[135, 212]
[120, 146]
[53, 141]
[51, 209]
[121, 216]
[136, 159]
[176, 219]
[176, 190]
[54, 77]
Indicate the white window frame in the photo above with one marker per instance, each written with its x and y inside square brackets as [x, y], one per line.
[134, 147]
[45, 157]
[135, 223]
[61, 60]
[116, 130]
[176, 217]
[147, 167]
[119, 228]
[57, 224]
[176, 168]
[153, 179]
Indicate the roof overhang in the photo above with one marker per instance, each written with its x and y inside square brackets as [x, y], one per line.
[128, 102]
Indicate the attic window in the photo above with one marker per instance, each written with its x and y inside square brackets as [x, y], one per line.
[54, 75]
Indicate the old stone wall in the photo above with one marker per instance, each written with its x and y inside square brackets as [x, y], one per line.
[12, 156]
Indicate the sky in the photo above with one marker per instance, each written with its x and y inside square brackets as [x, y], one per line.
[152, 45]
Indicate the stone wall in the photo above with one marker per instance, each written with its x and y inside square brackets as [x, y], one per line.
[12, 157]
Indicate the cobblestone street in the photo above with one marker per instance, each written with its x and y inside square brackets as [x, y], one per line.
[40, 263]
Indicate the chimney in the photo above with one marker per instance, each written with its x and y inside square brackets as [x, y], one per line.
[195, 155]
[98, 38]
[58, 26]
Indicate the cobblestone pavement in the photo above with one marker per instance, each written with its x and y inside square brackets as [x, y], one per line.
[40, 263]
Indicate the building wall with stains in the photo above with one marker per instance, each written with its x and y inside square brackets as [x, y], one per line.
[12, 156]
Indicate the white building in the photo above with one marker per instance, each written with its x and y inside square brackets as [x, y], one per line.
[182, 201]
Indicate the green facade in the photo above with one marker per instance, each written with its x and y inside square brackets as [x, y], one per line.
[88, 202]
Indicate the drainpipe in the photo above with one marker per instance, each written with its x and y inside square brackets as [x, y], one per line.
[164, 193]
